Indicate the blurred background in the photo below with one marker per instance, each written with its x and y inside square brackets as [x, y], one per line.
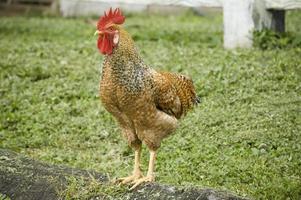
[94, 7]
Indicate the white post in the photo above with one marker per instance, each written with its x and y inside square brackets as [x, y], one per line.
[238, 23]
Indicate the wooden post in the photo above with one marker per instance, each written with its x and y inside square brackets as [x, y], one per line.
[268, 18]
[278, 20]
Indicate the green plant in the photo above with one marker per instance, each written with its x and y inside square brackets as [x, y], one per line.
[267, 39]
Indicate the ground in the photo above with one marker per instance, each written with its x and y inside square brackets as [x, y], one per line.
[24, 178]
[244, 136]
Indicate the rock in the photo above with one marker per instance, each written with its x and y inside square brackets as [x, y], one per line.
[24, 178]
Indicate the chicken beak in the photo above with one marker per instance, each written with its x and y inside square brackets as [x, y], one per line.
[97, 32]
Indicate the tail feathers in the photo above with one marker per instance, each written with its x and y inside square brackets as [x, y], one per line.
[185, 90]
[197, 100]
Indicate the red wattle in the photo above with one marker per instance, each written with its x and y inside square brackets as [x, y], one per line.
[105, 44]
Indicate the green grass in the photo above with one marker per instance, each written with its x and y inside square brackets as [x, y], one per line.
[244, 136]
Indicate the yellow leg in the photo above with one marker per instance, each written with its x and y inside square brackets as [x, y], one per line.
[150, 177]
[137, 174]
[137, 169]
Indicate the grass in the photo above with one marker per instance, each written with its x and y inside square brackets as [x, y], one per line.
[244, 137]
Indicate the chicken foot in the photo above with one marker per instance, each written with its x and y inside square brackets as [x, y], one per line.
[150, 177]
[137, 174]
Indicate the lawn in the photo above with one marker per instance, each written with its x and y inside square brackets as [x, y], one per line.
[244, 136]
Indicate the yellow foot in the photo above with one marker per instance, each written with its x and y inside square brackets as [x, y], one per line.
[129, 179]
[142, 180]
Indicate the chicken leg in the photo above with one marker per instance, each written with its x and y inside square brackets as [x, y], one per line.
[137, 174]
[150, 177]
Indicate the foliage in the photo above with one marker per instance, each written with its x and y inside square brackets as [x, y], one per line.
[4, 197]
[81, 189]
[267, 39]
[244, 137]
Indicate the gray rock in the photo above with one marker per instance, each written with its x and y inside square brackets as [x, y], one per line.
[24, 178]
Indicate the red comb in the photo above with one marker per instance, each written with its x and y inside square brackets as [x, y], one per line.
[110, 18]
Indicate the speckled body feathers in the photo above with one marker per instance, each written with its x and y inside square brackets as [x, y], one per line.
[147, 104]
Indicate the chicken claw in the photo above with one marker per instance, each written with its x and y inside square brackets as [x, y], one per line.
[129, 179]
[142, 180]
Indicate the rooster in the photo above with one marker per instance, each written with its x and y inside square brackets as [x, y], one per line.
[147, 104]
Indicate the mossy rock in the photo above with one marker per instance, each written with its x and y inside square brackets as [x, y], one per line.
[24, 178]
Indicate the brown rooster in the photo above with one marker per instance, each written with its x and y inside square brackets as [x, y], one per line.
[146, 103]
